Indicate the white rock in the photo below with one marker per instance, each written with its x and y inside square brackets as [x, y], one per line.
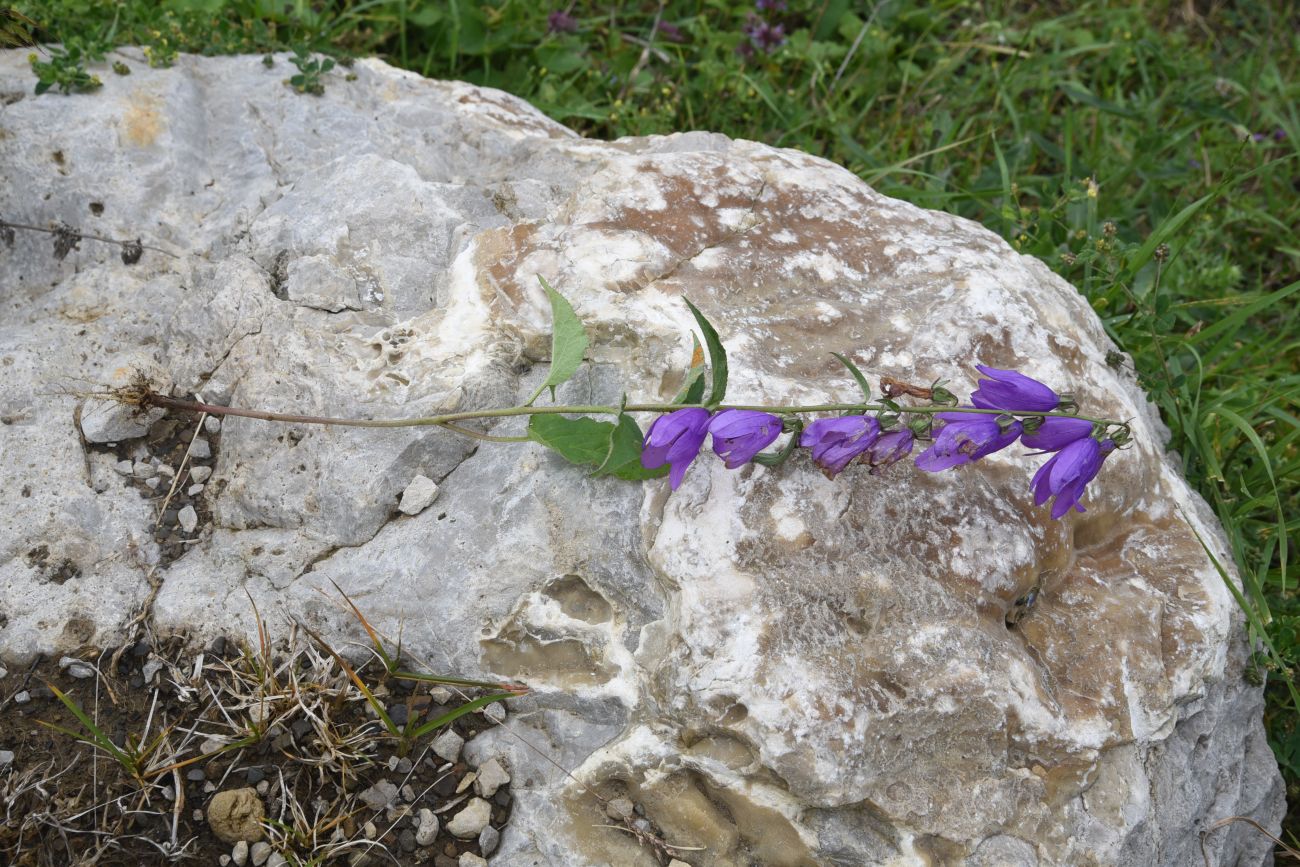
[76, 667]
[488, 839]
[200, 450]
[106, 420]
[427, 830]
[144, 470]
[471, 819]
[418, 495]
[496, 711]
[200, 473]
[194, 490]
[491, 776]
[469, 859]
[276, 860]
[150, 668]
[22, 697]
[154, 482]
[223, 860]
[126, 468]
[212, 424]
[259, 853]
[447, 745]
[188, 519]
[6, 758]
[239, 854]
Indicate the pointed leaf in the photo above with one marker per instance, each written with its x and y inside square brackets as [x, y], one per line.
[857, 374]
[568, 341]
[717, 356]
[624, 460]
[577, 440]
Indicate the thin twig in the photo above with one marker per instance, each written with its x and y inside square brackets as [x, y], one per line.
[82, 236]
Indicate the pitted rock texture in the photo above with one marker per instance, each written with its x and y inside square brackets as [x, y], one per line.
[780, 669]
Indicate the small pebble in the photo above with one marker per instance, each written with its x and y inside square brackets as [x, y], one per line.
[406, 840]
[488, 839]
[254, 776]
[440, 695]
[471, 820]
[150, 668]
[466, 781]
[408, 793]
[404, 765]
[239, 854]
[153, 483]
[200, 474]
[76, 668]
[380, 795]
[200, 450]
[223, 860]
[276, 860]
[469, 859]
[195, 775]
[427, 830]
[188, 518]
[166, 470]
[620, 808]
[126, 468]
[209, 787]
[169, 793]
[211, 745]
[143, 470]
[212, 424]
[491, 776]
[263, 787]
[22, 697]
[370, 831]
[496, 712]
[6, 758]
[676, 863]
[193, 490]
[418, 495]
[259, 853]
[4, 672]
[447, 745]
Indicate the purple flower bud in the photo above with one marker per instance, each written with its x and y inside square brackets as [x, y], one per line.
[671, 32]
[1056, 433]
[1067, 474]
[837, 441]
[966, 437]
[770, 5]
[1011, 391]
[562, 22]
[1259, 136]
[890, 448]
[675, 439]
[739, 434]
[1279, 134]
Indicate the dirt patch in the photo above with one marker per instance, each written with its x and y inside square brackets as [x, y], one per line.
[179, 725]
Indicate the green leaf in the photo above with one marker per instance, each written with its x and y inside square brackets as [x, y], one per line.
[624, 458]
[693, 389]
[857, 374]
[568, 341]
[717, 356]
[577, 440]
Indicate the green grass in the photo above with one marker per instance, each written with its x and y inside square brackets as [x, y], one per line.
[1149, 155]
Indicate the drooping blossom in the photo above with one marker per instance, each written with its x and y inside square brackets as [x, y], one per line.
[966, 437]
[675, 439]
[1011, 391]
[837, 441]
[1068, 473]
[764, 35]
[1056, 433]
[890, 448]
[739, 434]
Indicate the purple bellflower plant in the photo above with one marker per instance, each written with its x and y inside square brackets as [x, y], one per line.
[966, 438]
[739, 434]
[1068, 473]
[1011, 391]
[1055, 434]
[675, 439]
[835, 442]
[890, 448]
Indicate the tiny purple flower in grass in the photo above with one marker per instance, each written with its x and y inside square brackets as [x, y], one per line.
[1056, 433]
[671, 33]
[561, 22]
[1006, 389]
[966, 437]
[835, 442]
[1067, 474]
[890, 448]
[739, 434]
[675, 439]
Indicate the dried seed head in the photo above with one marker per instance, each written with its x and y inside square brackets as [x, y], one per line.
[1109, 229]
[132, 251]
[66, 239]
[1162, 253]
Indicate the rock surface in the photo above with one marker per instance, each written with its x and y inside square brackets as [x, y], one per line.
[775, 667]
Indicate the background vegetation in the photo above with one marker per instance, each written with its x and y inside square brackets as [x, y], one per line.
[1147, 152]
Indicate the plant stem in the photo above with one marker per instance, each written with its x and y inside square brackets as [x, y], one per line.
[446, 419]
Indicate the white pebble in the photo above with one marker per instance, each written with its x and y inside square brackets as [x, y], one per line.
[496, 712]
[447, 746]
[491, 776]
[471, 820]
[260, 852]
[488, 839]
[427, 831]
[76, 668]
[150, 668]
[276, 860]
[154, 482]
[200, 450]
[239, 854]
[124, 467]
[143, 470]
[418, 495]
[212, 424]
[469, 859]
[193, 490]
[188, 518]
[200, 473]
[22, 697]
[6, 758]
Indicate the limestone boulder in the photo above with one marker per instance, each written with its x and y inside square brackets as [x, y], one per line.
[777, 668]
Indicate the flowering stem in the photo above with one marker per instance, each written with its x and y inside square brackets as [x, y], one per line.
[448, 419]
